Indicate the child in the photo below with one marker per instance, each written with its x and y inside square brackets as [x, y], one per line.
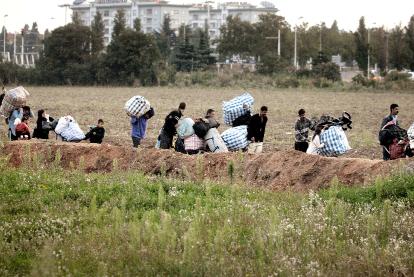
[22, 128]
[316, 144]
[96, 134]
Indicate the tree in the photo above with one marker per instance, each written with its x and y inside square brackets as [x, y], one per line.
[119, 24]
[185, 56]
[204, 51]
[164, 38]
[361, 40]
[66, 56]
[410, 42]
[236, 38]
[76, 19]
[131, 55]
[398, 48]
[97, 32]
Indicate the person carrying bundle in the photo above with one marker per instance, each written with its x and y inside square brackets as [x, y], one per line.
[139, 127]
[302, 126]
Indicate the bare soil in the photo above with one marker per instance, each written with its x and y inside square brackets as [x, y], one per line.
[277, 170]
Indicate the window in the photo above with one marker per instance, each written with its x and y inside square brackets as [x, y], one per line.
[106, 13]
[195, 25]
[106, 30]
[106, 39]
[176, 12]
[213, 25]
[106, 22]
[148, 20]
[148, 11]
[134, 13]
[195, 16]
[148, 30]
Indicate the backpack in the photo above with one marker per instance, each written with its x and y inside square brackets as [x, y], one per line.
[201, 128]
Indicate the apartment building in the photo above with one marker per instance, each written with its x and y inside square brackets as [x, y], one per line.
[152, 14]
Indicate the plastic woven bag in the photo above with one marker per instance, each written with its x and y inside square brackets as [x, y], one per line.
[234, 108]
[137, 106]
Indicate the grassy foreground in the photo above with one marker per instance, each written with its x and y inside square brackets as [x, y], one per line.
[56, 223]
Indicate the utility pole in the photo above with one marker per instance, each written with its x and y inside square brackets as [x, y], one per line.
[369, 51]
[4, 36]
[278, 41]
[320, 38]
[14, 48]
[295, 57]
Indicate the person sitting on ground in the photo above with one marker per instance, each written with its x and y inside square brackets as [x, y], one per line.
[392, 118]
[139, 127]
[302, 127]
[169, 129]
[97, 133]
[257, 126]
[22, 128]
[211, 117]
[243, 119]
[43, 125]
[316, 144]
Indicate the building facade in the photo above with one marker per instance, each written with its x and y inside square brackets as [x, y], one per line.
[151, 14]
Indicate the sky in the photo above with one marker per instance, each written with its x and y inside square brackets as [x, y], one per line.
[48, 15]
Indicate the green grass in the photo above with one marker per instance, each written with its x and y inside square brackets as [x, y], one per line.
[55, 223]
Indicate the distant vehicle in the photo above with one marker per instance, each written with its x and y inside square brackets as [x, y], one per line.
[411, 75]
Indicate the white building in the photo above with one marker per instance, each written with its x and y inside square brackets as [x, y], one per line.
[152, 14]
[199, 14]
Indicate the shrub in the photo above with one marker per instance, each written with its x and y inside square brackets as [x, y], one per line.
[328, 70]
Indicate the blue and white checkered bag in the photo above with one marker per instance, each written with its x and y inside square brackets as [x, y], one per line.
[137, 106]
[235, 138]
[335, 142]
[234, 108]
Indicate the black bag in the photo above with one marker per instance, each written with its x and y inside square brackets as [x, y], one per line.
[201, 128]
[388, 134]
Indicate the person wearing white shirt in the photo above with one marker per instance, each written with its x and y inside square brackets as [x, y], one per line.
[316, 144]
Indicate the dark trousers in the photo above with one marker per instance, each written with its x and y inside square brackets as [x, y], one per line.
[136, 142]
[301, 146]
[165, 140]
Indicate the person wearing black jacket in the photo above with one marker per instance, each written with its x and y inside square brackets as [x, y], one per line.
[257, 126]
[169, 129]
[96, 134]
[43, 125]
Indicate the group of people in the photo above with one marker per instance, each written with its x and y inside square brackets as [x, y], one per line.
[394, 140]
[19, 119]
[256, 126]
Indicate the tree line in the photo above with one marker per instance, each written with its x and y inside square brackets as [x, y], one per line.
[75, 54]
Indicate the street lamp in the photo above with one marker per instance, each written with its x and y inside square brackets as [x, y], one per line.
[369, 52]
[66, 10]
[295, 57]
[208, 14]
[4, 36]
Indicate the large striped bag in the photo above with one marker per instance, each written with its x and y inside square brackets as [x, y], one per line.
[335, 142]
[137, 106]
[234, 108]
[235, 138]
[214, 141]
[14, 98]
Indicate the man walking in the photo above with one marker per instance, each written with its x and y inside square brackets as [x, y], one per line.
[302, 127]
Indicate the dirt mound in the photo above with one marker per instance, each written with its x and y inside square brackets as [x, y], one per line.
[276, 170]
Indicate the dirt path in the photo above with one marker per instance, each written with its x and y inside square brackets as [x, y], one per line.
[278, 170]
